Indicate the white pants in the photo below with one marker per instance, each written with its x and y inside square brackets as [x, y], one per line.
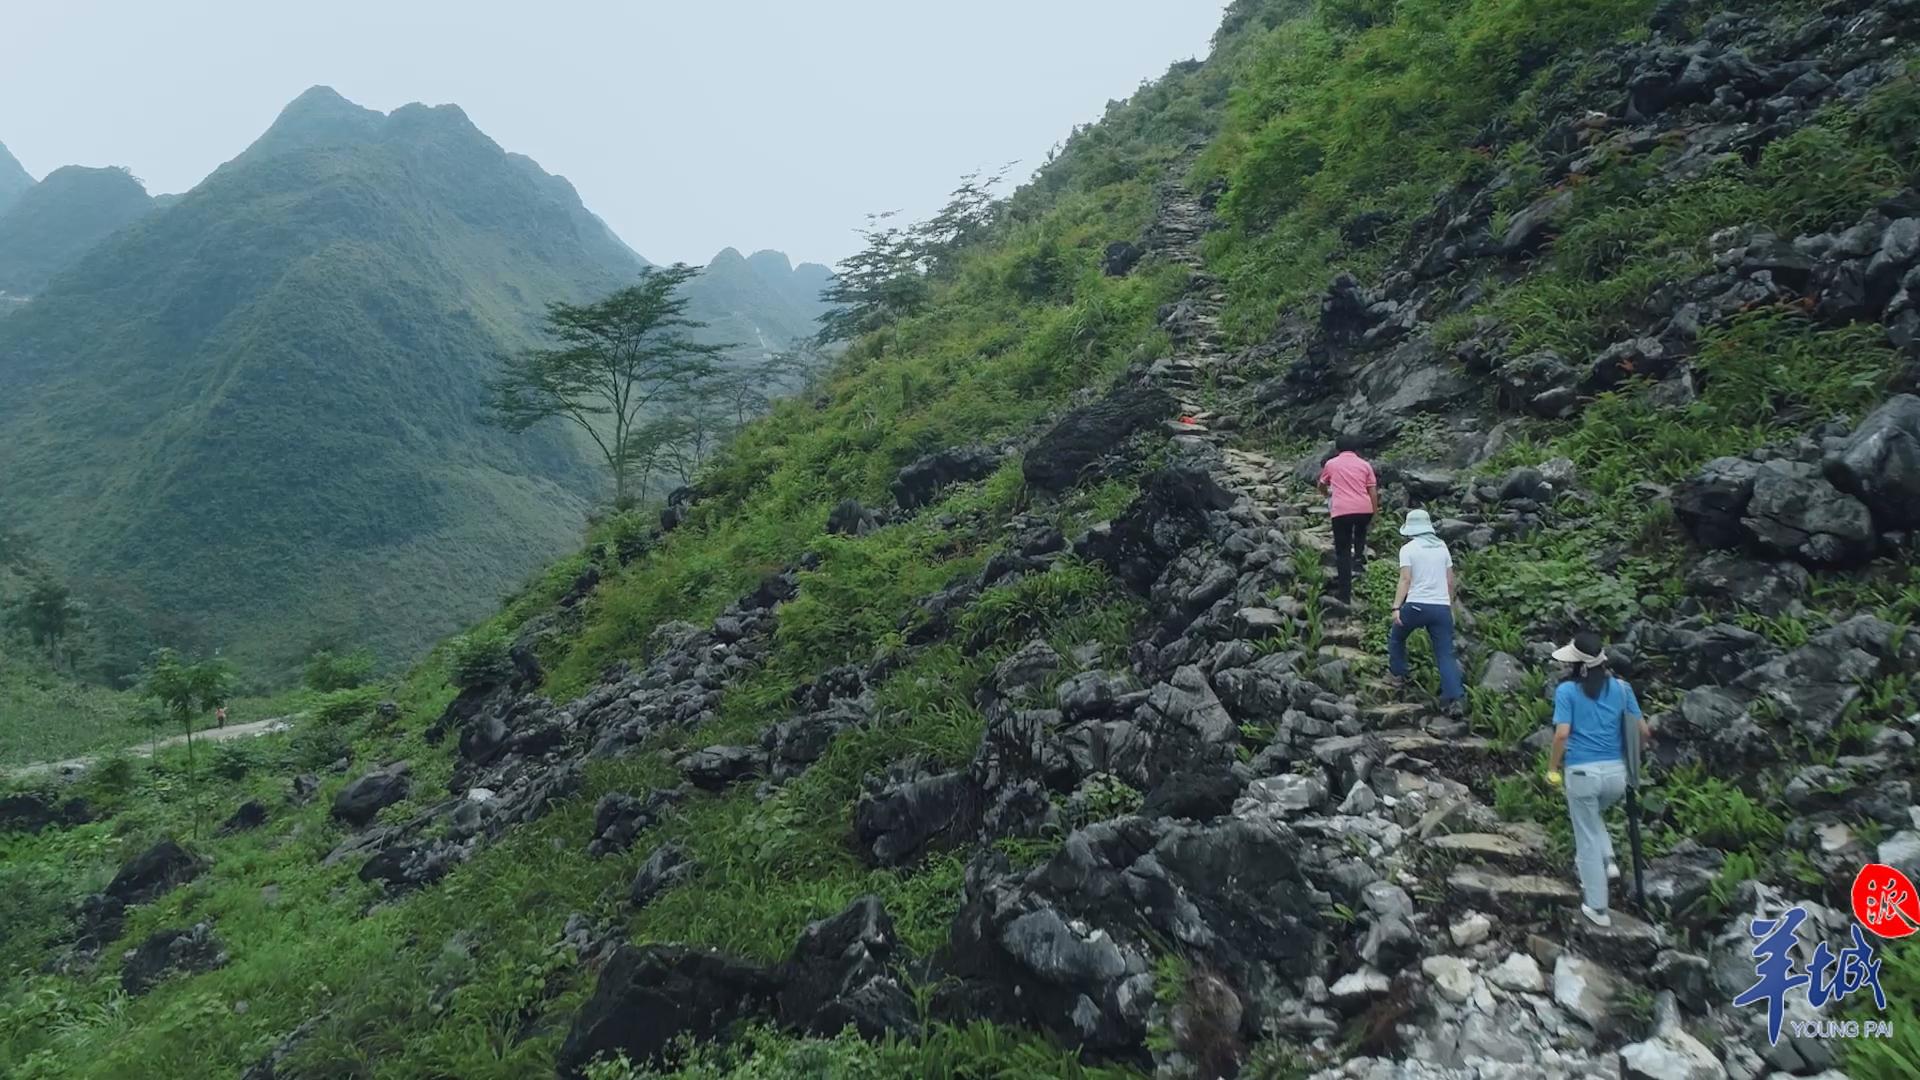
[1592, 789]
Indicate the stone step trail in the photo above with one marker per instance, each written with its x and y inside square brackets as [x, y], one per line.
[1497, 869]
[1200, 345]
[1487, 865]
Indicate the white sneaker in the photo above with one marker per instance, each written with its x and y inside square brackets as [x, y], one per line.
[1597, 918]
[1613, 870]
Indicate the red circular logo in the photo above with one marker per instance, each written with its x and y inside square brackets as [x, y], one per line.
[1884, 901]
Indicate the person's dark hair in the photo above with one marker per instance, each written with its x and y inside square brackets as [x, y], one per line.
[1593, 677]
[1346, 441]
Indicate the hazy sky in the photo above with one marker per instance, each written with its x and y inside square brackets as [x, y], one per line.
[689, 126]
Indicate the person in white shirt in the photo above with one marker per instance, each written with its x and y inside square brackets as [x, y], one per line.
[1425, 601]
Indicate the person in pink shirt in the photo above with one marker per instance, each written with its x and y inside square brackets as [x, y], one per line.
[1354, 497]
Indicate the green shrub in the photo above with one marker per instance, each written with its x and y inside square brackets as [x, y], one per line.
[113, 774]
[316, 746]
[478, 658]
[941, 1052]
[1897, 1057]
[232, 760]
[343, 707]
[1716, 812]
[1104, 796]
[1006, 612]
[328, 671]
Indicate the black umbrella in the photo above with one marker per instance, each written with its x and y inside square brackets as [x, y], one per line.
[1633, 841]
[1630, 740]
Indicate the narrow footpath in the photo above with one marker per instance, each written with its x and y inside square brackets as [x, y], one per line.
[147, 749]
[1495, 898]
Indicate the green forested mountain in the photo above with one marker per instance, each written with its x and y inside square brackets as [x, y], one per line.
[251, 419]
[14, 179]
[59, 219]
[761, 302]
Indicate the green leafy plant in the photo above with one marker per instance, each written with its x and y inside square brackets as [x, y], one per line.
[1716, 812]
[328, 671]
[1104, 796]
[478, 658]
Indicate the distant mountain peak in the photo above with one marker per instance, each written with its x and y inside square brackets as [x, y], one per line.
[445, 117]
[321, 95]
[10, 165]
[55, 222]
[322, 102]
[318, 117]
[727, 257]
[109, 175]
[14, 178]
[767, 260]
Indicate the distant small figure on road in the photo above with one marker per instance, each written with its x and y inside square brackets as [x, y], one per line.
[220, 716]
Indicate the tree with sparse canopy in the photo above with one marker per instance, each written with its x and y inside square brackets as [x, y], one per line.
[616, 361]
[46, 612]
[888, 278]
[187, 691]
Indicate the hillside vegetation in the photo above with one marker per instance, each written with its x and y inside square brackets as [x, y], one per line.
[55, 222]
[984, 710]
[250, 422]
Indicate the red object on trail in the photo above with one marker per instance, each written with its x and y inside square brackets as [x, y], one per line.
[1885, 902]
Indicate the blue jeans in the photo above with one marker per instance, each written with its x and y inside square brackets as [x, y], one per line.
[1437, 619]
[1592, 789]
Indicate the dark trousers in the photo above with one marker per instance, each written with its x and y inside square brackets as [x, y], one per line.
[1437, 620]
[1349, 550]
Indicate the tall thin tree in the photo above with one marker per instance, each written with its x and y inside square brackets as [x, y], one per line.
[614, 362]
[187, 691]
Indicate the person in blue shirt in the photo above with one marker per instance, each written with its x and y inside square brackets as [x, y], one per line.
[1592, 711]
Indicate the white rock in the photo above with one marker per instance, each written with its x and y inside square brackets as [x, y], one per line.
[1559, 472]
[1519, 973]
[1450, 976]
[1288, 793]
[1902, 851]
[1360, 800]
[1483, 997]
[1386, 900]
[1833, 836]
[1496, 1039]
[1584, 989]
[479, 794]
[1361, 985]
[1674, 1055]
[1472, 929]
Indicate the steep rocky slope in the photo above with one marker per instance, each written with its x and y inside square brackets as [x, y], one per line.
[986, 713]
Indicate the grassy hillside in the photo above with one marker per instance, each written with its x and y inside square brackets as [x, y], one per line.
[50, 226]
[47, 716]
[893, 398]
[1416, 146]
